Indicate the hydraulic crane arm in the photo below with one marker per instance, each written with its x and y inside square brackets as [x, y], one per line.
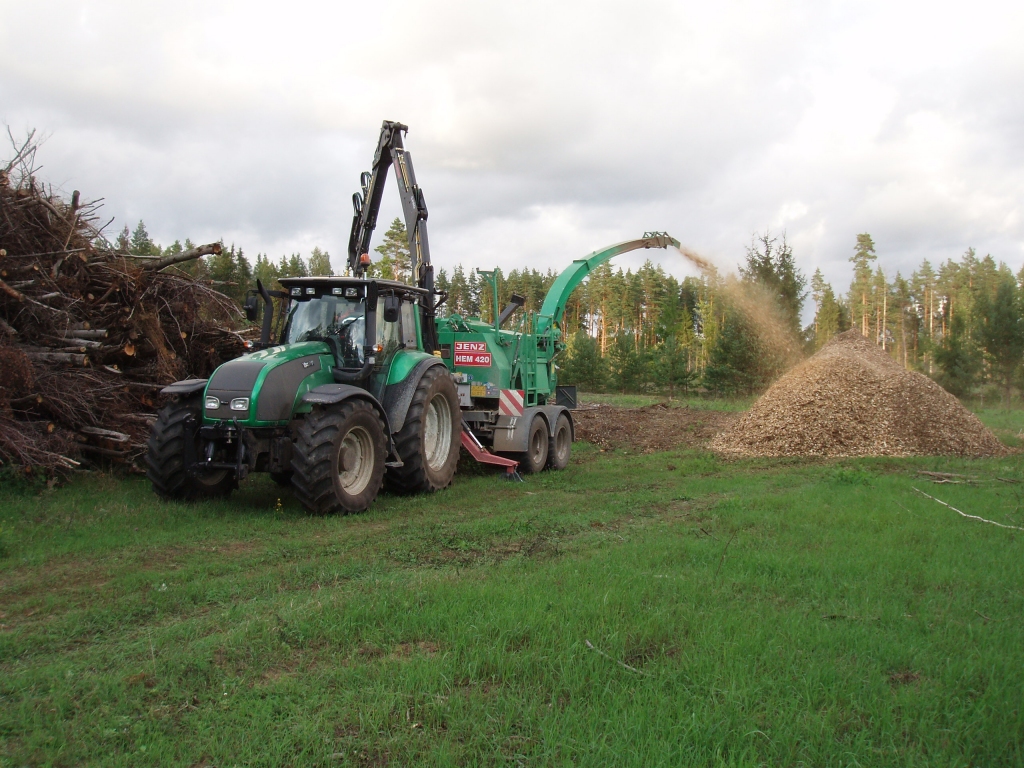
[366, 206]
[558, 295]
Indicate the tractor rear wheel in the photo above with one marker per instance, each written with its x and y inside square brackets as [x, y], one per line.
[177, 425]
[338, 458]
[428, 443]
[560, 446]
[536, 455]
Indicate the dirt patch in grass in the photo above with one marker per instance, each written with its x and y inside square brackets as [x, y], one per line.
[369, 653]
[904, 677]
[657, 427]
[82, 579]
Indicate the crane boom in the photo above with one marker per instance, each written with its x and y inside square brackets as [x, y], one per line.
[366, 206]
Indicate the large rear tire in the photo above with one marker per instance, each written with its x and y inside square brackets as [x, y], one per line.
[176, 425]
[560, 445]
[536, 455]
[338, 458]
[428, 443]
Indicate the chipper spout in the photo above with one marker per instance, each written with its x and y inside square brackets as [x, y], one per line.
[558, 295]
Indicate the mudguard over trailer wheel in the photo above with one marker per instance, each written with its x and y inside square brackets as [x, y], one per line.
[428, 443]
[560, 444]
[338, 458]
[168, 450]
[536, 456]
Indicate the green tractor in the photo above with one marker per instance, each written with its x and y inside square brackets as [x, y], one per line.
[366, 384]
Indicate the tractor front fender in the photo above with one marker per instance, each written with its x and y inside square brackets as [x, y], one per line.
[186, 387]
[329, 394]
[398, 396]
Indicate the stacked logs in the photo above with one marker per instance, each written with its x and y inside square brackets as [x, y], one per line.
[88, 336]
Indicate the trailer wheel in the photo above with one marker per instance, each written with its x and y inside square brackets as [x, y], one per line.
[338, 458]
[536, 455]
[560, 446]
[177, 424]
[428, 443]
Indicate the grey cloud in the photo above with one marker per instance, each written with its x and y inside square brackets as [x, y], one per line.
[540, 131]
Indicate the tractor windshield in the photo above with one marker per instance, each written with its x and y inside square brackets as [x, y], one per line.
[329, 316]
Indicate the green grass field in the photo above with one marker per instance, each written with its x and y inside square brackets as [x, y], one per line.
[668, 609]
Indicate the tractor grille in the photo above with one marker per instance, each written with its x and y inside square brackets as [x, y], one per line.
[232, 380]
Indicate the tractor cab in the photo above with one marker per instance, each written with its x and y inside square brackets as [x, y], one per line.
[363, 322]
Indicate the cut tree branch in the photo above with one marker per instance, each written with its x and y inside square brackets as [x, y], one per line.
[964, 514]
[11, 292]
[191, 253]
[621, 664]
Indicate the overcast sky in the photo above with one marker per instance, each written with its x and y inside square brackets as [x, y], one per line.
[540, 130]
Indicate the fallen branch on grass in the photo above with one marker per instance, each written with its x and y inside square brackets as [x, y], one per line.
[722, 559]
[621, 664]
[964, 514]
[947, 478]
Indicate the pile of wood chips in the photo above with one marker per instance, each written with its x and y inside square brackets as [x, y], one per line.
[88, 336]
[852, 399]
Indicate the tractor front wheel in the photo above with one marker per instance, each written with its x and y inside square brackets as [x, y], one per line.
[428, 443]
[173, 440]
[338, 458]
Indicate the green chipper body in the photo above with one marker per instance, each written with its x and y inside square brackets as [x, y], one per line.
[365, 383]
[507, 375]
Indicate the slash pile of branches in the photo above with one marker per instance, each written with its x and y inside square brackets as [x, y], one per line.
[88, 335]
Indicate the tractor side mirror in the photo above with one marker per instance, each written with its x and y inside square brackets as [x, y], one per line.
[251, 308]
[392, 307]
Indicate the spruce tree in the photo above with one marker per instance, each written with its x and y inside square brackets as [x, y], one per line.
[583, 365]
[671, 366]
[473, 288]
[772, 265]
[826, 321]
[734, 365]
[860, 289]
[394, 263]
[958, 360]
[265, 271]
[459, 292]
[628, 364]
[442, 284]
[320, 263]
[123, 243]
[243, 276]
[1002, 332]
[140, 243]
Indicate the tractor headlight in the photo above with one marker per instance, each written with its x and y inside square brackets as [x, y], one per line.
[240, 404]
[212, 403]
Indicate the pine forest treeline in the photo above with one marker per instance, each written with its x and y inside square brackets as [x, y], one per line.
[960, 322]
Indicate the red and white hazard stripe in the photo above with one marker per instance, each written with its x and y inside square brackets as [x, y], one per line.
[510, 402]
